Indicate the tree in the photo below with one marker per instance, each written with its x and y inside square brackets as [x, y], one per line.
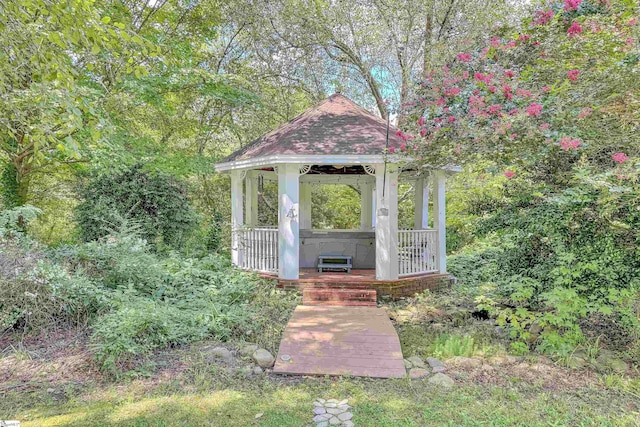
[49, 111]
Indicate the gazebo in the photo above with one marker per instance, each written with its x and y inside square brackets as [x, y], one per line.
[336, 142]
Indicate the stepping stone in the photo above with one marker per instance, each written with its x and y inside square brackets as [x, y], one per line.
[346, 416]
[322, 417]
[323, 424]
[348, 424]
[319, 410]
[335, 421]
[407, 364]
[335, 411]
[343, 402]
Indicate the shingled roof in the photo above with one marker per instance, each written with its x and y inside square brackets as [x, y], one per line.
[335, 126]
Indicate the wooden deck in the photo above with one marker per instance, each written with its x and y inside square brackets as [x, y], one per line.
[326, 340]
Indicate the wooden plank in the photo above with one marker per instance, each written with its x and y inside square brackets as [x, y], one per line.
[358, 341]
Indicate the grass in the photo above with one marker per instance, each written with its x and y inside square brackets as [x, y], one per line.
[279, 404]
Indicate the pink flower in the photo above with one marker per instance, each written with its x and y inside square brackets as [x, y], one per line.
[451, 119]
[403, 147]
[494, 109]
[546, 89]
[523, 93]
[392, 150]
[568, 143]
[512, 43]
[452, 91]
[509, 73]
[464, 57]
[571, 5]
[586, 112]
[514, 112]
[542, 17]
[632, 22]
[524, 37]
[423, 132]
[509, 174]
[573, 75]
[492, 89]
[544, 126]
[495, 42]
[465, 74]
[513, 135]
[534, 109]
[574, 29]
[620, 157]
[421, 121]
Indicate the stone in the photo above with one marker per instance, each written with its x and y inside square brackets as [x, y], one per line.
[608, 361]
[331, 405]
[348, 424]
[332, 401]
[263, 358]
[319, 410]
[345, 416]
[335, 411]
[334, 421]
[248, 349]
[441, 380]
[576, 362]
[323, 424]
[321, 417]
[416, 362]
[418, 373]
[322, 401]
[439, 369]
[343, 407]
[407, 364]
[436, 364]
[465, 362]
[10, 423]
[220, 353]
[257, 370]
[343, 402]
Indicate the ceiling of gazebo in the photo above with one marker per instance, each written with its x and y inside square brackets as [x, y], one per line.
[335, 127]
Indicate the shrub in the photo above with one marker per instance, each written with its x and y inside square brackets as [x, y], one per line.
[158, 203]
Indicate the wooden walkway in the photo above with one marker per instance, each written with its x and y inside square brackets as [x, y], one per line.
[327, 340]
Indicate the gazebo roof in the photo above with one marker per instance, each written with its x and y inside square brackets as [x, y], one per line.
[336, 126]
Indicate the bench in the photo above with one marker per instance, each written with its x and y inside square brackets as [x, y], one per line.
[334, 262]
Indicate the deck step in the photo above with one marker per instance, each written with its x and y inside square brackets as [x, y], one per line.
[339, 297]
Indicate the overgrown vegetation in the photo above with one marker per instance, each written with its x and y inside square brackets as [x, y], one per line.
[134, 299]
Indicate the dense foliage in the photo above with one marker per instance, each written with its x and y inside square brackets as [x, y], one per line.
[134, 300]
[551, 107]
[156, 203]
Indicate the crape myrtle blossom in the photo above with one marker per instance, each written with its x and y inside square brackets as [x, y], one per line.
[620, 157]
[497, 99]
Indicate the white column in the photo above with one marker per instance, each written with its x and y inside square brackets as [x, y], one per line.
[373, 207]
[236, 217]
[366, 206]
[421, 215]
[305, 206]
[251, 200]
[288, 221]
[439, 220]
[386, 222]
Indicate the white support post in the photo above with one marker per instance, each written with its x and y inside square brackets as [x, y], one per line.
[251, 200]
[288, 221]
[305, 206]
[439, 220]
[373, 207]
[418, 198]
[236, 217]
[421, 215]
[386, 222]
[366, 206]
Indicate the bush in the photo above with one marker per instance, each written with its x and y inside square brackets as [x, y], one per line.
[549, 263]
[158, 203]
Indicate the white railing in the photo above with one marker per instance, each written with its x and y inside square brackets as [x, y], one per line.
[259, 248]
[417, 251]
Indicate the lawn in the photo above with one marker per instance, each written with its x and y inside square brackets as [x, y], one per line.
[208, 395]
